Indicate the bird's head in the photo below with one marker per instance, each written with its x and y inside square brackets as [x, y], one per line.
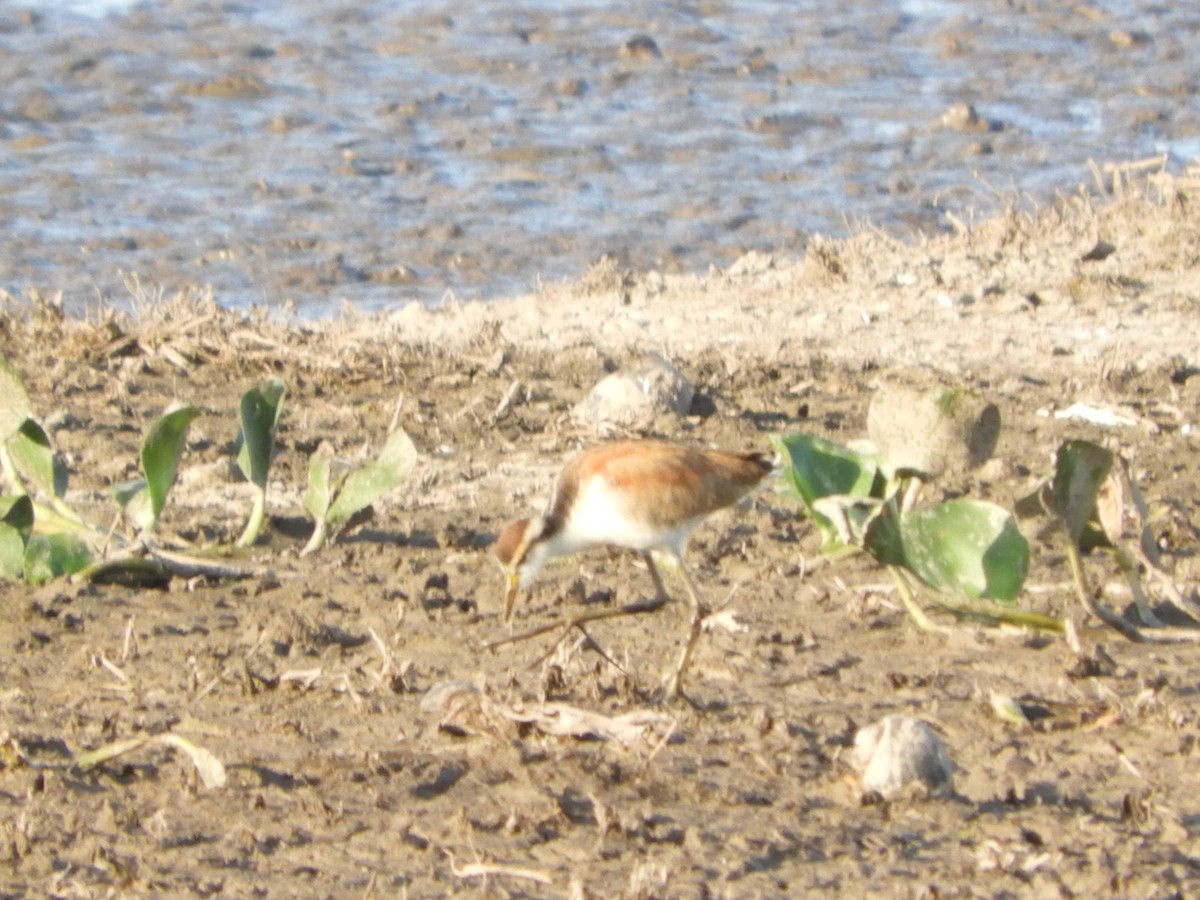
[521, 551]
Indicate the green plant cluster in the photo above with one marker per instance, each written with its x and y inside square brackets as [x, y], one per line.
[42, 537]
[970, 557]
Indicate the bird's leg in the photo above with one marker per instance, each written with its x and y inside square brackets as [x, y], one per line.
[699, 613]
[660, 590]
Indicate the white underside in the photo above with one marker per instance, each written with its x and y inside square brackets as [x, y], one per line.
[599, 519]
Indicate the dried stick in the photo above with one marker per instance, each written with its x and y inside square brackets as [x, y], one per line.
[630, 609]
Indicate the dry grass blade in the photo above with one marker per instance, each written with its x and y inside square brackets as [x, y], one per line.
[191, 566]
[486, 870]
[112, 668]
[564, 720]
[210, 769]
[305, 677]
[388, 668]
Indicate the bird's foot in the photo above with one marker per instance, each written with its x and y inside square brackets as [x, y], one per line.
[673, 691]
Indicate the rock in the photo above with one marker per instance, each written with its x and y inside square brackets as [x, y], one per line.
[931, 433]
[232, 87]
[446, 695]
[641, 46]
[1101, 251]
[964, 117]
[633, 398]
[899, 751]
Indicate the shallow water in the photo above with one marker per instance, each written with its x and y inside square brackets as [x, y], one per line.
[380, 153]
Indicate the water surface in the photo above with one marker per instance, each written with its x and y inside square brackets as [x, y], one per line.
[382, 153]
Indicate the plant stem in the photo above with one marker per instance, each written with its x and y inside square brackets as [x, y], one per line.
[1126, 628]
[318, 537]
[1129, 570]
[904, 589]
[1099, 610]
[1022, 617]
[250, 535]
[126, 568]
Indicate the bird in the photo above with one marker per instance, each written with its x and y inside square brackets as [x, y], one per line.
[643, 495]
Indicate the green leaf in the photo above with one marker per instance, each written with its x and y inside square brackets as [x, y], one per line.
[884, 540]
[817, 469]
[261, 408]
[363, 485]
[964, 547]
[35, 458]
[134, 498]
[14, 401]
[49, 556]
[161, 453]
[17, 513]
[850, 517]
[319, 493]
[12, 552]
[1079, 471]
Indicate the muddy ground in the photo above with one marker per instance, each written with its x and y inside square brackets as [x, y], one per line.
[308, 680]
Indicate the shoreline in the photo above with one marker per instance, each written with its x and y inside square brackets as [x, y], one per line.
[1097, 280]
[1106, 281]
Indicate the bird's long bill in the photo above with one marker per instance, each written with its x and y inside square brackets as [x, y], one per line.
[514, 584]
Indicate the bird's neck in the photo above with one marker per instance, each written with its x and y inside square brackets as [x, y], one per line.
[555, 539]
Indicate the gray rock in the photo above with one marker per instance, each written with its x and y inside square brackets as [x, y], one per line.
[942, 431]
[899, 751]
[633, 398]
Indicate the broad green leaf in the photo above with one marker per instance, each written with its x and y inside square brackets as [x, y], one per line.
[33, 456]
[883, 539]
[161, 453]
[363, 485]
[964, 547]
[14, 401]
[17, 513]
[12, 552]
[48, 556]
[819, 468]
[1079, 471]
[134, 498]
[816, 468]
[319, 493]
[261, 408]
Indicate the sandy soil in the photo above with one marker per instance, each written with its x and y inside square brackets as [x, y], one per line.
[309, 682]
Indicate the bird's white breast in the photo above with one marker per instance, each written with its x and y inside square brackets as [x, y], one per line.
[604, 515]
